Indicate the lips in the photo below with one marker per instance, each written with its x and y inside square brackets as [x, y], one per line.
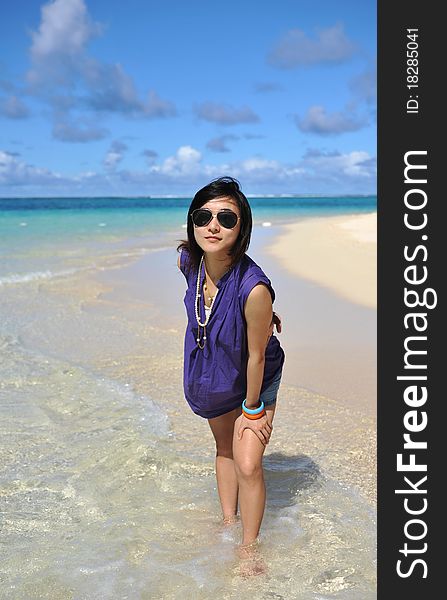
[213, 238]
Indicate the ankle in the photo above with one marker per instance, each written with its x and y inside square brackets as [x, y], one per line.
[230, 519]
[249, 550]
[253, 543]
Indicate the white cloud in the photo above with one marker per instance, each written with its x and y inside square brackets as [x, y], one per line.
[219, 144]
[356, 164]
[319, 121]
[317, 172]
[115, 154]
[58, 46]
[64, 75]
[157, 107]
[224, 114]
[256, 163]
[186, 161]
[150, 155]
[112, 90]
[296, 49]
[364, 85]
[264, 87]
[78, 132]
[65, 28]
[14, 171]
[13, 108]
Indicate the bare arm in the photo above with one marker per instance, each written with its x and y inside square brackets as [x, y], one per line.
[258, 314]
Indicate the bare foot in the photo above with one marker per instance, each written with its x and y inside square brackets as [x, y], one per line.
[228, 529]
[249, 568]
[251, 561]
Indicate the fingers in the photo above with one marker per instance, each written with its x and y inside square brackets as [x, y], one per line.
[264, 434]
[263, 431]
[262, 437]
[260, 434]
[277, 320]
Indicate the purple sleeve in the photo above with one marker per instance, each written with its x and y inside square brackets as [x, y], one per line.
[249, 283]
[184, 263]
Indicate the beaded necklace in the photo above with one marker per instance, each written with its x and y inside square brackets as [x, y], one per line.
[197, 309]
[197, 306]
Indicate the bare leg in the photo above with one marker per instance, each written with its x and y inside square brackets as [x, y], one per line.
[227, 484]
[248, 453]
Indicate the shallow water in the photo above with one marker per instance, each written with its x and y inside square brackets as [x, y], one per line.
[107, 485]
[108, 492]
[42, 238]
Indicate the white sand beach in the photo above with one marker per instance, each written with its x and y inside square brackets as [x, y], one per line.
[337, 252]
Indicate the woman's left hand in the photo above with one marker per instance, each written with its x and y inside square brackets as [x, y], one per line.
[261, 427]
[276, 320]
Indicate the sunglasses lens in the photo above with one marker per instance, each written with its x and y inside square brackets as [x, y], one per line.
[201, 217]
[227, 219]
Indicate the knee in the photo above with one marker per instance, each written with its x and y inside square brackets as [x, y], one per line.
[248, 470]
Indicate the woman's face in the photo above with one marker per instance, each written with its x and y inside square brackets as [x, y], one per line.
[213, 238]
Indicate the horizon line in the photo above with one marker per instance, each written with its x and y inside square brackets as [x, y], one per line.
[182, 197]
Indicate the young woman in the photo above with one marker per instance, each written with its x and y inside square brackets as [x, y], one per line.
[232, 360]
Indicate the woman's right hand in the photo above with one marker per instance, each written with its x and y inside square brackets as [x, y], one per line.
[261, 427]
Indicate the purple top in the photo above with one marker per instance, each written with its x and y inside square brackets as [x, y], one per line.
[215, 378]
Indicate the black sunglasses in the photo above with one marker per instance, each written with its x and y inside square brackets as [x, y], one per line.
[202, 216]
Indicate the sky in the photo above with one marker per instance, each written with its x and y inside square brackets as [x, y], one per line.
[159, 97]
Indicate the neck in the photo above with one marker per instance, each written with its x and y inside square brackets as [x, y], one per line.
[216, 267]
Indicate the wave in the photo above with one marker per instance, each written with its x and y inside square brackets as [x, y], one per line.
[35, 276]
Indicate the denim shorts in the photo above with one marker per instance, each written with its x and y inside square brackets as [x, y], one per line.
[269, 395]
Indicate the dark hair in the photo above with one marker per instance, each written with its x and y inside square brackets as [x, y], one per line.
[218, 188]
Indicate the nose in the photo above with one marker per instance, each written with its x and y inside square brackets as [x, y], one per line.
[213, 225]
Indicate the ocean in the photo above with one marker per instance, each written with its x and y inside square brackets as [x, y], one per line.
[49, 237]
[107, 484]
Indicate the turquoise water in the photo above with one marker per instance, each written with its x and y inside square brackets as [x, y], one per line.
[45, 237]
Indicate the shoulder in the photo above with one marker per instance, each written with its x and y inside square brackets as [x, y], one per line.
[250, 268]
[259, 295]
[251, 277]
[258, 307]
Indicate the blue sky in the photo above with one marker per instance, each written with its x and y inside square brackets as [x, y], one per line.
[159, 97]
